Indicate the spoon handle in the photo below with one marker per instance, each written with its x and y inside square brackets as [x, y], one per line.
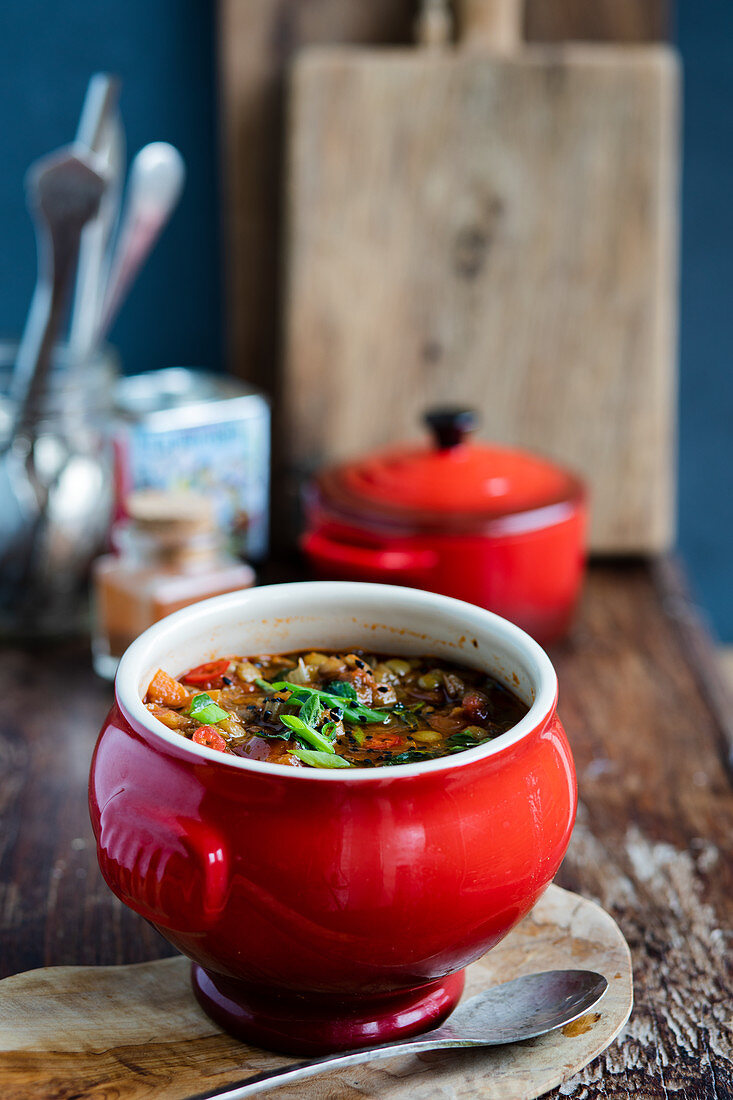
[298, 1071]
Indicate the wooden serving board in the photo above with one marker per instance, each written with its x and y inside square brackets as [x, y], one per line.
[492, 231]
[136, 1032]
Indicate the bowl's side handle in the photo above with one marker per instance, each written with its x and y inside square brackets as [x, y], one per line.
[167, 865]
[171, 871]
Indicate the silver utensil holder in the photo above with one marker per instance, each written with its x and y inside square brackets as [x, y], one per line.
[66, 449]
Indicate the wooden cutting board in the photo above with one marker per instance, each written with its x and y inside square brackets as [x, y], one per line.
[496, 230]
[136, 1032]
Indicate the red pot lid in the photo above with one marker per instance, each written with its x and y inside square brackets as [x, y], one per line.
[449, 484]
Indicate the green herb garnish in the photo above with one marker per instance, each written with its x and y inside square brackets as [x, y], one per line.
[342, 688]
[320, 759]
[273, 735]
[413, 756]
[411, 721]
[307, 733]
[311, 711]
[205, 710]
[466, 739]
[358, 713]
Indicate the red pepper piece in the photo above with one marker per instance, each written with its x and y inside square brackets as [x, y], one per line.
[210, 737]
[385, 741]
[206, 675]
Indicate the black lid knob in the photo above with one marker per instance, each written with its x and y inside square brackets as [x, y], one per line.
[449, 426]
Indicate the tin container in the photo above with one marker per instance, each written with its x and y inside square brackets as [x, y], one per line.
[190, 430]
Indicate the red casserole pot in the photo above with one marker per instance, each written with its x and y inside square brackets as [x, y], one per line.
[497, 527]
[331, 909]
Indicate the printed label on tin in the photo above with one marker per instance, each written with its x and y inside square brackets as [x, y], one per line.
[228, 462]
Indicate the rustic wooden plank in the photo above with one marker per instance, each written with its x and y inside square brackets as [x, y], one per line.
[137, 1032]
[653, 844]
[597, 21]
[653, 841]
[257, 39]
[716, 684]
[493, 232]
[54, 905]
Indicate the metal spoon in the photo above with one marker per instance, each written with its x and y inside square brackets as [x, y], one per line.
[99, 132]
[64, 192]
[156, 180]
[522, 1009]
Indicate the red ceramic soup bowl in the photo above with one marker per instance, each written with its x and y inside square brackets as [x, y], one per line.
[329, 909]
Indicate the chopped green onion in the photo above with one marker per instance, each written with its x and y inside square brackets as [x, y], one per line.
[352, 714]
[313, 737]
[265, 685]
[320, 759]
[205, 710]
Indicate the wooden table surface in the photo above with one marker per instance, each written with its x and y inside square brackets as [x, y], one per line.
[650, 728]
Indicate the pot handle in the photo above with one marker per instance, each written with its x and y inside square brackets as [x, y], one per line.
[356, 560]
[172, 871]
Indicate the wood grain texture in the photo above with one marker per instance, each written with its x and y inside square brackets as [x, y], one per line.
[653, 842]
[137, 1031]
[498, 233]
[54, 905]
[597, 20]
[257, 39]
[649, 724]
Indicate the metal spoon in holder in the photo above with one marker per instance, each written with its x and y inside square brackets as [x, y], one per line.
[55, 485]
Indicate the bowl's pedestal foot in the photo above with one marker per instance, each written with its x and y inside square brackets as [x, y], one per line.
[294, 1024]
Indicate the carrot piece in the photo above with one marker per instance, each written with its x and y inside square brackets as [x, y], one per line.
[167, 691]
[173, 719]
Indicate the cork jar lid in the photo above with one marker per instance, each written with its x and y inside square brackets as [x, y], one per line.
[169, 513]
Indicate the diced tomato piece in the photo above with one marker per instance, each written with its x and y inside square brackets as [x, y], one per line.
[165, 690]
[476, 704]
[385, 741]
[210, 737]
[207, 675]
[447, 723]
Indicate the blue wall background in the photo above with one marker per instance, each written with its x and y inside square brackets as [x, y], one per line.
[704, 36]
[164, 52]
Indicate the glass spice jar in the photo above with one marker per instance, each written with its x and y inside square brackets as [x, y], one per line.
[169, 553]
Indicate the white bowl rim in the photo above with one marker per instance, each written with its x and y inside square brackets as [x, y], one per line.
[134, 711]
